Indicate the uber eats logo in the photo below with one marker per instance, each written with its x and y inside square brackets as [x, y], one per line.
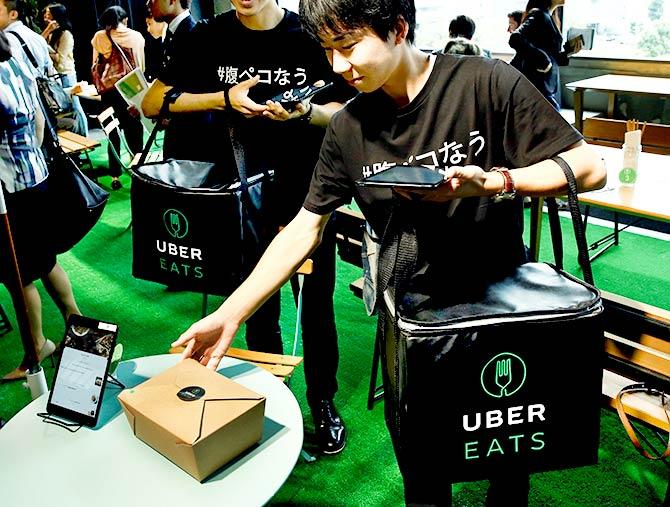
[175, 223]
[502, 377]
[184, 261]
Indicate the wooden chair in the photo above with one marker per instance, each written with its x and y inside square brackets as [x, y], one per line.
[280, 365]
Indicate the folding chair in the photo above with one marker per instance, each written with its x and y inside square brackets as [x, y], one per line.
[110, 124]
[5, 324]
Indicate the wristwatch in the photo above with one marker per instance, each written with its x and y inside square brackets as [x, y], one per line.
[508, 191]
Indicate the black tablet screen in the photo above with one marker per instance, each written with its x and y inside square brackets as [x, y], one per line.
[80, 379]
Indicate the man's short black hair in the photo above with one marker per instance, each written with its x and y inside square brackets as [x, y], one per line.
[516, 16]
[184, 3]
[462, 26]
[336, 15]
[22, 8]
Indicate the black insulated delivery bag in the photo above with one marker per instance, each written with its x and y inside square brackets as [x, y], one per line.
[191, 232]
[507, 384]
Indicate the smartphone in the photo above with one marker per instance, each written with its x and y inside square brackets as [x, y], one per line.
[291, 98]
[403, 176]
[571, 44]
[81, 376]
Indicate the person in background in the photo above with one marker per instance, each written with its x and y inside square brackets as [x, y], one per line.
[153, 46]
[113, 23]
[14, 15]
[514, 20]
[462, 46]
[24, 179]
[256, 52]
[58, 34]
[462, 29]
[185, 135]
[410, 106]
[538, 44]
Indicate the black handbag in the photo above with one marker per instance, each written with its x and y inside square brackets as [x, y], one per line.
[190, 230]
[56, 100]
[506, 383]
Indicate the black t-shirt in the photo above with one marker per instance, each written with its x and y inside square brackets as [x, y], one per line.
[284, 58]
[470, 111]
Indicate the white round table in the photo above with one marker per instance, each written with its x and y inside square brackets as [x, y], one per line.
[109, 466]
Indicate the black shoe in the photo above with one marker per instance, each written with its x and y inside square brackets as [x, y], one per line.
[331, 434]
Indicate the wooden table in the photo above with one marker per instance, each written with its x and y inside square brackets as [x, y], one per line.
[648, 198]
[613, 84]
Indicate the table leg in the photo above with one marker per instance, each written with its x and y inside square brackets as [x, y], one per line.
[535, 227]
[611, 101]
[578, 103]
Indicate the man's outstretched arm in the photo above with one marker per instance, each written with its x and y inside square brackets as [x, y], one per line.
[208, 339]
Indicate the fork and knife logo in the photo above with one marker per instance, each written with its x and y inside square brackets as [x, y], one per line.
[503, 375]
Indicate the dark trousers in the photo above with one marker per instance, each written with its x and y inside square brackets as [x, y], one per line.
[319, 335]
[132, 130]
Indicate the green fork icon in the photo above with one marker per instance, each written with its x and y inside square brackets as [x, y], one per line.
[503, 374]
[175, 224]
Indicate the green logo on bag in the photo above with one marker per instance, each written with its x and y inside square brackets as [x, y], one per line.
[175, 223]
[503, 375]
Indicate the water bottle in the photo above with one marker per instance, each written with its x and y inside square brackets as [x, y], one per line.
[628, 173]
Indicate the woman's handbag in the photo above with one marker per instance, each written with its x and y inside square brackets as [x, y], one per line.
[107, 71]
[77, 201]
[508, 382]
[54, 97]
[192, 232]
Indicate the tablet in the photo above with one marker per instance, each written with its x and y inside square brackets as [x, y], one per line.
[404, 176]
[81, 376]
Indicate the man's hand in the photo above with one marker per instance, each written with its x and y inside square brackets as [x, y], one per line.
[277, 112]
[208, 339]
[460, 181]
[240, 101]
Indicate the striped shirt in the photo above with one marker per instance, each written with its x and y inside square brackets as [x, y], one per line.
[22, 163]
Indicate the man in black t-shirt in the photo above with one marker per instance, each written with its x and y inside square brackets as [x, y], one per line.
[477, 121]
[255, 53]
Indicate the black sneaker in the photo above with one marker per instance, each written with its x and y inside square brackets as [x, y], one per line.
[331, 435]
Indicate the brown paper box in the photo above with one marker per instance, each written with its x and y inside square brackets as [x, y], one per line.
[202, 435]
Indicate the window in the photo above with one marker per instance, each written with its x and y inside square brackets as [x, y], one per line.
[623, 28]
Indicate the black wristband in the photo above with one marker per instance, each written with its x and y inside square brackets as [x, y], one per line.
[226, 98]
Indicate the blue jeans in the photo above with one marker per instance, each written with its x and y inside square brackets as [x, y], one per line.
[81, 124]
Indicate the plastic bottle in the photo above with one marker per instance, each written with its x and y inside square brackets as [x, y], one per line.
[628, 173]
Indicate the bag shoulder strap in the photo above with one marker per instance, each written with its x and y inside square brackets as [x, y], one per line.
[25, 48]
[169, 98]
[638, 388]
[577, 224]
[119, 49]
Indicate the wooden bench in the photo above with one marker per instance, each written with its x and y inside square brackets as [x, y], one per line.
[606, 132]
[76, 145]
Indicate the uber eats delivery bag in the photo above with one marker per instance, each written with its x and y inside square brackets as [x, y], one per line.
[190, 231]
[507, 384]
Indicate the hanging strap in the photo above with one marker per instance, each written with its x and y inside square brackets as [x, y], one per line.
[118, 48]
[25, 48]
[577, 224]
[640, 388]
[169, 98]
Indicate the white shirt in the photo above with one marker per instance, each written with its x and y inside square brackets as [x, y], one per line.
[174, 24]
[37, 45]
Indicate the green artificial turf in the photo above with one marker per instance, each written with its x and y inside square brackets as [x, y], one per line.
[365, 473]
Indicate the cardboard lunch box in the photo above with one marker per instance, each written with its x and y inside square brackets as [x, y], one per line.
[195, 417]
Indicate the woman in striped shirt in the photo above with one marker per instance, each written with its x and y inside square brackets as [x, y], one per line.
[24, 179]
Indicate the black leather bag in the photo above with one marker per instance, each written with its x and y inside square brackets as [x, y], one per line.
[508, 383]
[192, 232]
[77, 202]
